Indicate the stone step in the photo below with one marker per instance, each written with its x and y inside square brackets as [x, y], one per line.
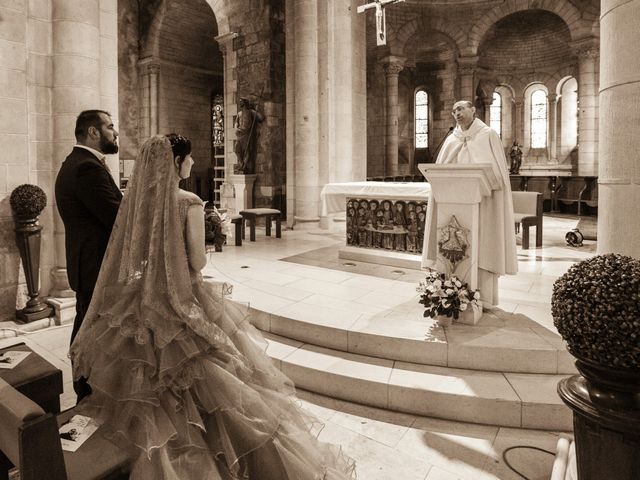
[500, 343]
[521, 400]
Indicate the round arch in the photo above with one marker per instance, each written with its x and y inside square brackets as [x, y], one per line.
[562, 8]
[415, 26]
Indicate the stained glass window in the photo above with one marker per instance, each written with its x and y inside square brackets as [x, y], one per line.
[538, 119]
[495, 113]
[422, 119]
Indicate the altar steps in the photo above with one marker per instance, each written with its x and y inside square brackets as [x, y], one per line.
[510, 344]
[521, 400]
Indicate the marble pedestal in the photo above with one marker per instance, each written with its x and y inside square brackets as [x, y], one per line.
[243, 192]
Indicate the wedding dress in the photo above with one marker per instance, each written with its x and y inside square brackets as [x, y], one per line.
[178, 373]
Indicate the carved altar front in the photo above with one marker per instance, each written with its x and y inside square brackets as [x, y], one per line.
[385, 221]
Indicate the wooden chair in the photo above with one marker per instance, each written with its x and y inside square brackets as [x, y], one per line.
[29, 439]
[252, 214]
[527, 212]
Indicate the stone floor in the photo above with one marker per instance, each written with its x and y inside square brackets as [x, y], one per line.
[385, 444]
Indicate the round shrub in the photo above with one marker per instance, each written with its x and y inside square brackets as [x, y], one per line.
[596, 309]
[28, 201]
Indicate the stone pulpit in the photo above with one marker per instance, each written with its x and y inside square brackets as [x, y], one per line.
[457, 191]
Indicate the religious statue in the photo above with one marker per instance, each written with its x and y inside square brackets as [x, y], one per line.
[516, 159]
[381, 27]
[246, 150]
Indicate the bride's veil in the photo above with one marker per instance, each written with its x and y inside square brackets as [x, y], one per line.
[144, 274]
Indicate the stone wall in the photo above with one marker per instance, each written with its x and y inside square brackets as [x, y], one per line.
[460, 51]
[25, 133]
[260, 73]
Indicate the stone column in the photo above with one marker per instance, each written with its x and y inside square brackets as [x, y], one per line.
[486, 102]
[76, 86]
[306, 141]
[150, 72]
[618, 169]
[552, 128]
[587, 52]
[392, 67]
[229, 61]
[466, 69]
[518, 122]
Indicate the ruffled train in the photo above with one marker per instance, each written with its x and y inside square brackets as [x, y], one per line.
[199, 399]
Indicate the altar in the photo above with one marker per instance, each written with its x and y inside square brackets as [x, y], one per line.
[384, 220]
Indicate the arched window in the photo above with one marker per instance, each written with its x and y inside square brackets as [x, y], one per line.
[422, 119]
[538, 119]
[495, 113]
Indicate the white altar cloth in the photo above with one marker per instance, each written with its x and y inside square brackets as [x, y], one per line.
[334, 195]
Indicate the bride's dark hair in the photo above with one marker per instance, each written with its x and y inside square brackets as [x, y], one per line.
[181, 146]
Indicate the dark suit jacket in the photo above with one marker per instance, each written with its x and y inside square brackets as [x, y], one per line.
[88, 201]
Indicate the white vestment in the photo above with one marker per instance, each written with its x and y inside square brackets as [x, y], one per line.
[497, 242]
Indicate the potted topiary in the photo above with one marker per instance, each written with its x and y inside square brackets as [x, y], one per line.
[27, 202]
[596, 309]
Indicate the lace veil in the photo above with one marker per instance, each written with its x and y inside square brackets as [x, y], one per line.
[145, 273]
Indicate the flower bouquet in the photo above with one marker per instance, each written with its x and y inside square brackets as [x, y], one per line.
[446, 298]
[217, 227]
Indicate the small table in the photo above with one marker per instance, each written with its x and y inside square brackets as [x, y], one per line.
[251, 214]
[35, 378]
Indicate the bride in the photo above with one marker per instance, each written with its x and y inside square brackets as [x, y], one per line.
[177, 372]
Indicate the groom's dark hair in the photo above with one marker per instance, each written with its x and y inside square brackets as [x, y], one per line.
[86, 119]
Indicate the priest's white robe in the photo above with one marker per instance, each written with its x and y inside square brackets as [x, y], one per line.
[497, 239]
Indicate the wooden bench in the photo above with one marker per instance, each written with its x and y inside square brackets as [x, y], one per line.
[35, 378]
[269, 214]
[527, 212]
[29, 439]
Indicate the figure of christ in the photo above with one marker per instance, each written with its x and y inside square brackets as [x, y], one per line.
[381, 27]
[400, 227]
[387, 225]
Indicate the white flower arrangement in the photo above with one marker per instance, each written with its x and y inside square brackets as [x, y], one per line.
[448, 296]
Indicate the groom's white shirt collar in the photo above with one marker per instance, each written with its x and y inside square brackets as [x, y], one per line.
[99, 155]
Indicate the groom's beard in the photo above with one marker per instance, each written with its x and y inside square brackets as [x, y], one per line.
[107, 146]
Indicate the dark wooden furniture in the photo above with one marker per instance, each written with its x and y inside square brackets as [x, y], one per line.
[269, 214]
[527, 212]
[29, 439]
[36, 379]
[239, 233]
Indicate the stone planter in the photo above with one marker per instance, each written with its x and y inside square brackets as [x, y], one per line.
[610, 387]
[28, 242]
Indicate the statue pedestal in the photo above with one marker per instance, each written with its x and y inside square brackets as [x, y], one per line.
[457, 190]
[243, 191]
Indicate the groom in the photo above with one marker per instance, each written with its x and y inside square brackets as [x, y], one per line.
[88, 201]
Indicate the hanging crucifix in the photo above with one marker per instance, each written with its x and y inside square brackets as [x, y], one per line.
[381, 27]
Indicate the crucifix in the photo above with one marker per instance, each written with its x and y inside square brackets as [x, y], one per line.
[381, 27]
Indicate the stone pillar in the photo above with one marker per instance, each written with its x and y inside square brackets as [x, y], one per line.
[150, 73]
[392, 67]
[306, 141]
[518, 122]
[76, 86]
[552, 128]
[466, 69]
[618, 169]
[85, 76]
[486, 102]
[587, 52]
[229, 60]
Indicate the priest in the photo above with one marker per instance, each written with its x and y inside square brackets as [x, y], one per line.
[472, 141]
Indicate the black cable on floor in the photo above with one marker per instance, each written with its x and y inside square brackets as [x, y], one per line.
[506, 462]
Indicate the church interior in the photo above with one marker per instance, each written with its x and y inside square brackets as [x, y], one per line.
[349, 95]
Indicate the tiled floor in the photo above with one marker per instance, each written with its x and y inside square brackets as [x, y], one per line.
[386, 445]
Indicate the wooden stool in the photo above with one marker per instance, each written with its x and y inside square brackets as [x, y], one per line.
[237, 221]
[252, 214]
